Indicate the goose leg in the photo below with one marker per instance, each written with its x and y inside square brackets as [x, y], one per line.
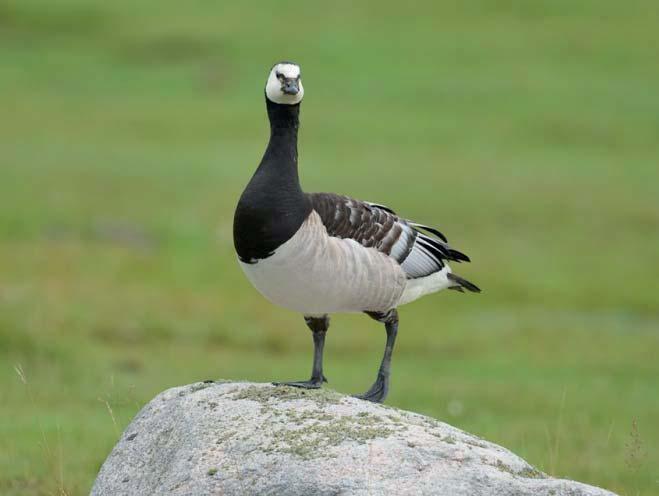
[318, 326]
[378, 391]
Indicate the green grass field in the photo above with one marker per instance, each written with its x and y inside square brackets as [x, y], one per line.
[527, 131]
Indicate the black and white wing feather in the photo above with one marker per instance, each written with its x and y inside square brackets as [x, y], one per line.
[420, 250]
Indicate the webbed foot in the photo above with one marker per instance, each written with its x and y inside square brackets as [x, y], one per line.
[377, 392]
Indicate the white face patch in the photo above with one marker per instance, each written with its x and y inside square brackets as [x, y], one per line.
[273, 87]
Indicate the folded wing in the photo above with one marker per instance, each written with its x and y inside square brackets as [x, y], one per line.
[419, 250]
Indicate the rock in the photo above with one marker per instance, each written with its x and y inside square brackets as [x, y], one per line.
[258, 439]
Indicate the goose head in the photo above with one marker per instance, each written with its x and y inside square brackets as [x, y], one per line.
[284, 85]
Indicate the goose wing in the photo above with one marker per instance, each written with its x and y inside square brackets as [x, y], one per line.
[419, 250]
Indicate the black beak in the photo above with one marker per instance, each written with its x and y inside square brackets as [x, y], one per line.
[290, 87]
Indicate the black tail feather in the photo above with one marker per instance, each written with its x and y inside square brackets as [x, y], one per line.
[458, 256]
[434, 246]
[445, 251]
[430, 230]
[462, 283]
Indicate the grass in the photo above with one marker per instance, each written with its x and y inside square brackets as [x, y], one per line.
[527, 131]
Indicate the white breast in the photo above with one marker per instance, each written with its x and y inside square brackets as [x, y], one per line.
[314, 273]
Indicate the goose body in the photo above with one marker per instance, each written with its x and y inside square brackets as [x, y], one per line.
[315, 272]
[322, 253]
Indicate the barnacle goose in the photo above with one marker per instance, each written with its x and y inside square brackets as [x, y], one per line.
[320, 253]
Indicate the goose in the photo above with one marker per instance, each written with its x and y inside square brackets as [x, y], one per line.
[324, 253]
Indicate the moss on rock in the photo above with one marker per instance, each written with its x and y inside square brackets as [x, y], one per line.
[265, 393]
[315, 437]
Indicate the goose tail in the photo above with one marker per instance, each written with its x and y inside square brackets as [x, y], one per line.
[460, 284]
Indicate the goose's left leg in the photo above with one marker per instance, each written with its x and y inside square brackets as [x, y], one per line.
[378, 391]
[318, 327]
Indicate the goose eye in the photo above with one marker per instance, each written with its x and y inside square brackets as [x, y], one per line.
[280, 75]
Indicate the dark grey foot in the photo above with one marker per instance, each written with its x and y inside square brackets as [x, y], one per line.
[378, 391]
[310, 384]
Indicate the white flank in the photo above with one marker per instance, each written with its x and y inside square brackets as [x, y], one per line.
[273, 85]
[314, 273]
[416, 288]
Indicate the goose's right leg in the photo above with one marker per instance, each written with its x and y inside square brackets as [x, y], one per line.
[318, 327]
[380, 388]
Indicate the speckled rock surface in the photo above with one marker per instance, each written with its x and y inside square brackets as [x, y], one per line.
[256, 439]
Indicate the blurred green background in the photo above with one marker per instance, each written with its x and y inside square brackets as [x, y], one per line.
[527, 131]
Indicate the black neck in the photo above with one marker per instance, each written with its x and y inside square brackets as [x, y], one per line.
[283, 116]
[281, 153]
[273, 207]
